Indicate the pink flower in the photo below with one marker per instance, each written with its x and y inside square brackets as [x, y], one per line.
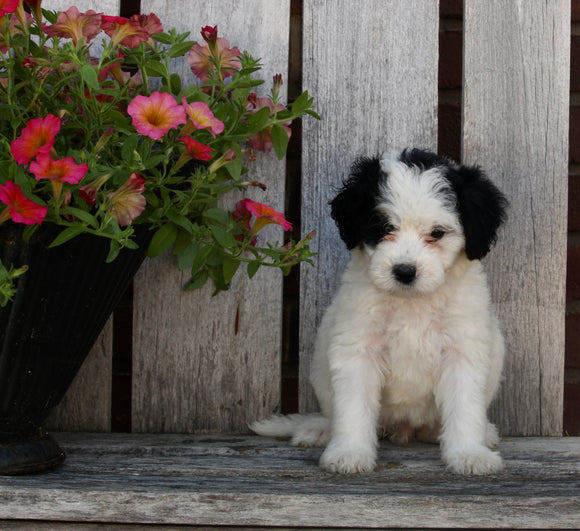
[201, 116]
[73, 24]
[227, 58]
[155, 115]
[197, 150]
[89, 191]
[37, 137]
[264, 214]
[20, 208]
[127, 32]
[65, 170]
[8, 6]
[150, 23]
[262, 141]
[128, 202]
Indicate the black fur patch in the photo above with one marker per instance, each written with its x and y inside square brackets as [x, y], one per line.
[353, 208]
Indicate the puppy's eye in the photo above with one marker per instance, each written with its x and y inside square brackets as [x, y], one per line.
[437, 234]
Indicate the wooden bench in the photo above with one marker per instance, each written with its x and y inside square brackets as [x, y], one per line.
[236, 480]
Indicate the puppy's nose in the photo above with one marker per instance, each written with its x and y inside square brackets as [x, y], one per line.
[405, 273]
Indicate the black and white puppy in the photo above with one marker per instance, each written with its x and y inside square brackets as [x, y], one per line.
[410, 343]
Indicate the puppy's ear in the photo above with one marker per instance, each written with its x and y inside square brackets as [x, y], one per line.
[353, 207]
[482, 209]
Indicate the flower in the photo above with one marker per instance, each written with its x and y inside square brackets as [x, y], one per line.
[128, 32]
[201, 117]
[8, 6]
[65, 170]
[155, 115]
[199, 59]
[209, 33]
[150, 23]
[196, 150]
[20, 208]
[75, 25]
[262, 141]
[37, 137]
[264, 215]
[127, 203]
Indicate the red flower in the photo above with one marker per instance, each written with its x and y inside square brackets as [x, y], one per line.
[127, 32]
[20, 208]
[155, 115]
[264, 214]
[128, 202]
[37, 137]
[64, 170]
[8, 6]
[196, 150]
[75, 25]
[209, 33]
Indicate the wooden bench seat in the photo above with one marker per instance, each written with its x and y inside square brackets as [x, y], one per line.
[212, 480]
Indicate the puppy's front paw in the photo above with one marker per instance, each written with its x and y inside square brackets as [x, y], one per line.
[343, 459]
[476, 459]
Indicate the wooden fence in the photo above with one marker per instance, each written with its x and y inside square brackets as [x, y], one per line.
[213, 364]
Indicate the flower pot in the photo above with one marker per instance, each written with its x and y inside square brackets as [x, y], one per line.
[62, 303]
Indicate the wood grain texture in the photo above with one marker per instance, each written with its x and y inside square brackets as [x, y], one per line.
[87, 404]
[204, 363]
[372, 68]
[250, 481]
[515, 120]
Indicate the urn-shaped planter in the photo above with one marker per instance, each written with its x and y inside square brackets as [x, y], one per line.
[62, 303]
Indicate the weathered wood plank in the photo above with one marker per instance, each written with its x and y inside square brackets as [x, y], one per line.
[372, 68]
[204, 363]
[212, 480]
[515, 116]
[87, 404]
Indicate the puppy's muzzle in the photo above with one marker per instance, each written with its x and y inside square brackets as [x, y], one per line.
[405, 273]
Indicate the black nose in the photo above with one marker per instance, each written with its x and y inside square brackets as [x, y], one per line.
[405, 273]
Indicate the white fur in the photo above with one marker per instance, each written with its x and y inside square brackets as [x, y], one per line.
[397, 358]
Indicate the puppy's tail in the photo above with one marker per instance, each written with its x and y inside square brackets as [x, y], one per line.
[305, 430]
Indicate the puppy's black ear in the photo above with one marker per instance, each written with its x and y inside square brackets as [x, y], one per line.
[482, 209]
[353, 207]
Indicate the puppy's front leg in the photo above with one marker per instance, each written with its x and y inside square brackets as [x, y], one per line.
[356, 398]
[461, 400]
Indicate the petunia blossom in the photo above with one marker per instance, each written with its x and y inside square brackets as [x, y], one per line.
[209, 33]
[150, 23]
[8, 6]
[196, 150]
[201, 116]
[199, 59]
[65, 170]
[262, 141]
[20, 209]
[128, 202]
[155, 115]
[76, 25]
[264, 214]
[127, 32]
[37, 137]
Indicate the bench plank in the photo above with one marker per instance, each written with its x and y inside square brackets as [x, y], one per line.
[252, 481]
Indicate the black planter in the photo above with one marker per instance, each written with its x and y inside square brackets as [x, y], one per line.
[62, 304]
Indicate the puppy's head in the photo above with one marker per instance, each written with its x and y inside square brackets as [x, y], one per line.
[413, 214]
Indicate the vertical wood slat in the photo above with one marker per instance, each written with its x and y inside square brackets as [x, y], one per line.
[87, 404]
[203, 363]
[372, 69]
[515, 124]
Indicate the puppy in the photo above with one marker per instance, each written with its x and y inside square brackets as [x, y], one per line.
[410, 344]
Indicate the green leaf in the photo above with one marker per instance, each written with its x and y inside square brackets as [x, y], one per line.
[253, 269]
[258, 120]
[162, 240]
[89, 75]
[181, 49]
[186, 257]
[223, 237]
[66, 235]
[129, 146]
[230, 266]
[163, 38]
[84, 216]
[279, 140]
[197, 281]
[175, 80]
[156, 69]
[219, 215]
[200, 258]
[113, 251]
